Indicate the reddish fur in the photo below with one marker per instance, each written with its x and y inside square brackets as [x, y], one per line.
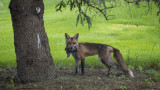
[103, 51]
[118, 56]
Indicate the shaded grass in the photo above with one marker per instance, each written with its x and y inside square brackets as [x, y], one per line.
[94, 79]
[136, 35]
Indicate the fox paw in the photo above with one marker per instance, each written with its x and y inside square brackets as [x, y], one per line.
[82, 74]
[75, 73]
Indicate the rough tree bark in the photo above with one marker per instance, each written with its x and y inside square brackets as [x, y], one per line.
[34, 61]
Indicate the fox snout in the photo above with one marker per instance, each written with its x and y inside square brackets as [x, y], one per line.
[71, 49]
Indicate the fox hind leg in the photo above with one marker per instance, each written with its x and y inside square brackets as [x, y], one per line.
[111, 62]
[108, 66]
[103, 60]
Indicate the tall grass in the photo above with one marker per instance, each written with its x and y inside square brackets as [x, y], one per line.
[134, 33]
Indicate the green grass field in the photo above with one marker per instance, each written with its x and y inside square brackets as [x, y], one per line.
[134, 33]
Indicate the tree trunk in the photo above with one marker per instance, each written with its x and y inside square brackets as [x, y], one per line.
[34, 61]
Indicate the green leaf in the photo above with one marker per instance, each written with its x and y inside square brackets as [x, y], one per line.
[77, 19]
[158, 13]
[82, 20]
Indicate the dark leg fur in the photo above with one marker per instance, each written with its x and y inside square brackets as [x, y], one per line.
[76, 67]
[111, 62]
[108, 66]
[76, 70]
[109, 69]
[82, 67]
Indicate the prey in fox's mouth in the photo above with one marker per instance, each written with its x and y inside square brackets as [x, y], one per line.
[70, 50]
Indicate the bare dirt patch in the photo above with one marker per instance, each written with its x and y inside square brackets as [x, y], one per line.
[94, 79]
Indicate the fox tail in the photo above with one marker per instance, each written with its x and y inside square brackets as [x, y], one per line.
[118, 56]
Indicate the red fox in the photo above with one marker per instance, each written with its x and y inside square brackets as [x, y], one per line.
[81, 50]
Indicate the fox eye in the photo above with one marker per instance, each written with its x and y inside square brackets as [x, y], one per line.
[74, 42]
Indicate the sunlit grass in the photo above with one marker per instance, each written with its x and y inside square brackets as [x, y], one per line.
[136, 36]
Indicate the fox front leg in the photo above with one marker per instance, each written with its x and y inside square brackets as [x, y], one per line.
[82, 66]
[77, 66]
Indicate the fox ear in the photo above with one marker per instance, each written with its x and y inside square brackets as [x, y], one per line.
[76, 36]
[67, 36]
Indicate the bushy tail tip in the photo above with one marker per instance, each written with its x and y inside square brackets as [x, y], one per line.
[131, 73]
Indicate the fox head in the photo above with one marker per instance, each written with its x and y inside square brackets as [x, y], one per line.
[71, 43]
